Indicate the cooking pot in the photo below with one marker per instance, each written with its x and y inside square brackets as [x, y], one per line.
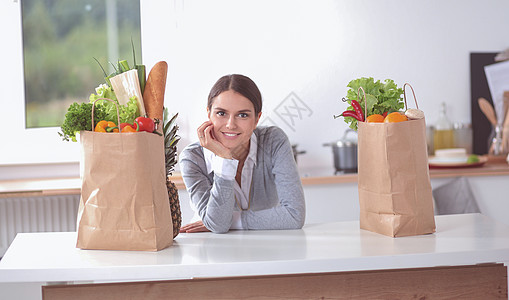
[344, 152]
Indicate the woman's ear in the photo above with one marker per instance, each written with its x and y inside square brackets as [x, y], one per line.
[208, 112]
[258, 118]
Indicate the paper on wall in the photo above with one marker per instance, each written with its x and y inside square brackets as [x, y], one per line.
[498, 82]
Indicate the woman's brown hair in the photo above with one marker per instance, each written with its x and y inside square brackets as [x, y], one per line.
[240, 84]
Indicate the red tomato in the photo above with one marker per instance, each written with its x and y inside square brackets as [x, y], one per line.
[146, 124]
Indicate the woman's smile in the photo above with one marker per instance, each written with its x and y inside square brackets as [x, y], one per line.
[230, 135]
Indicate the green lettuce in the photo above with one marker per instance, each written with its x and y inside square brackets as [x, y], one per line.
[381, 97]
[127, 112]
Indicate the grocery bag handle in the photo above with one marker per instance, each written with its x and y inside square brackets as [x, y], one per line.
[365, 101]
[116, 105]
[404, 96]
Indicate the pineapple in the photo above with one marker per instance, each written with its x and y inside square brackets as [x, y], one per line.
[170, 154]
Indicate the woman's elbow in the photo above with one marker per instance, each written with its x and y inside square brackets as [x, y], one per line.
[300, 218]
[220, 230]
[216, 227]
[300, 221]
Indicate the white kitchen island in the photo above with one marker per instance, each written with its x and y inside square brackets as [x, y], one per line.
[464, 258]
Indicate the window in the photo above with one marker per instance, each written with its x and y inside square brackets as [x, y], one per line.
[22, 145]
[61, 41]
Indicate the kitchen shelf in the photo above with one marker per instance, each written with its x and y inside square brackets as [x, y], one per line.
[71, 186]
[489, 169]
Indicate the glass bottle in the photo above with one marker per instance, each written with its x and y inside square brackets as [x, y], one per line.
[443, 136]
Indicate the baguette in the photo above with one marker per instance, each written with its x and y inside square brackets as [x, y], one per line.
[153, 96]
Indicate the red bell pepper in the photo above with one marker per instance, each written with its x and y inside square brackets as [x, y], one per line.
[106, 126]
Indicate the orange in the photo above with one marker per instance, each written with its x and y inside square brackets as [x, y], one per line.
[376, 118]
[395, 117]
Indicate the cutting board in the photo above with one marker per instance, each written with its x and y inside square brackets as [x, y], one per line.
[481, 127]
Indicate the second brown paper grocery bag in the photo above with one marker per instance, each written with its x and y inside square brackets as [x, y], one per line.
[395, 193]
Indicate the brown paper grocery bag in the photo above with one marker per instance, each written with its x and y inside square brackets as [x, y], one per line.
[395, 194]
[124, 202]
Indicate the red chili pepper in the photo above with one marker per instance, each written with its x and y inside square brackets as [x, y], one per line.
[349, 113]
[385, 114]
[358, 110]
[145, 124]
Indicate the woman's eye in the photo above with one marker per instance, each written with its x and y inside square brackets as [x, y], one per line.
[243, 115]
[220, 113]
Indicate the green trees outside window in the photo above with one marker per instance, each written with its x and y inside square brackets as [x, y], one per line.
[61, 38]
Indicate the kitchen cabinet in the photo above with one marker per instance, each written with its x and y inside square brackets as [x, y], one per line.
[335, 198]
[466, 251]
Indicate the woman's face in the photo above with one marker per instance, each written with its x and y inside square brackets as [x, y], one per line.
[234, 119]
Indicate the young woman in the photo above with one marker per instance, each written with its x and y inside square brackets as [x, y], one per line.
[240, 176]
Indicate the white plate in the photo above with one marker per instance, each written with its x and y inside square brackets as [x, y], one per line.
[433, 163]
[447, 160]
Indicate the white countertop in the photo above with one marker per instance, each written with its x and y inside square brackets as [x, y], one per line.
[330, 247]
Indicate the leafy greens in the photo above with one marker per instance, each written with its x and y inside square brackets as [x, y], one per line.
[79, 115]
[381, 97]
[127, 112]
[78, 118]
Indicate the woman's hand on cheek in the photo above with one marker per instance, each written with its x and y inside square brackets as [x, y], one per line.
[208, 140]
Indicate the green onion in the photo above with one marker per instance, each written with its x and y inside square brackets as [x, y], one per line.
[123, 66]
[141, 70]
[141, 76]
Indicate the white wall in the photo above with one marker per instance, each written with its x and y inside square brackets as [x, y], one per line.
[313, 49]
[309, 48]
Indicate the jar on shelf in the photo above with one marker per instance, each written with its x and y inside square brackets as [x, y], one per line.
[463, 136]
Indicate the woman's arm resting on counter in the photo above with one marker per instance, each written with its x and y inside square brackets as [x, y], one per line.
[213, 196]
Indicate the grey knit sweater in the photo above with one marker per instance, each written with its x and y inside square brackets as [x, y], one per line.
[277, 196]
